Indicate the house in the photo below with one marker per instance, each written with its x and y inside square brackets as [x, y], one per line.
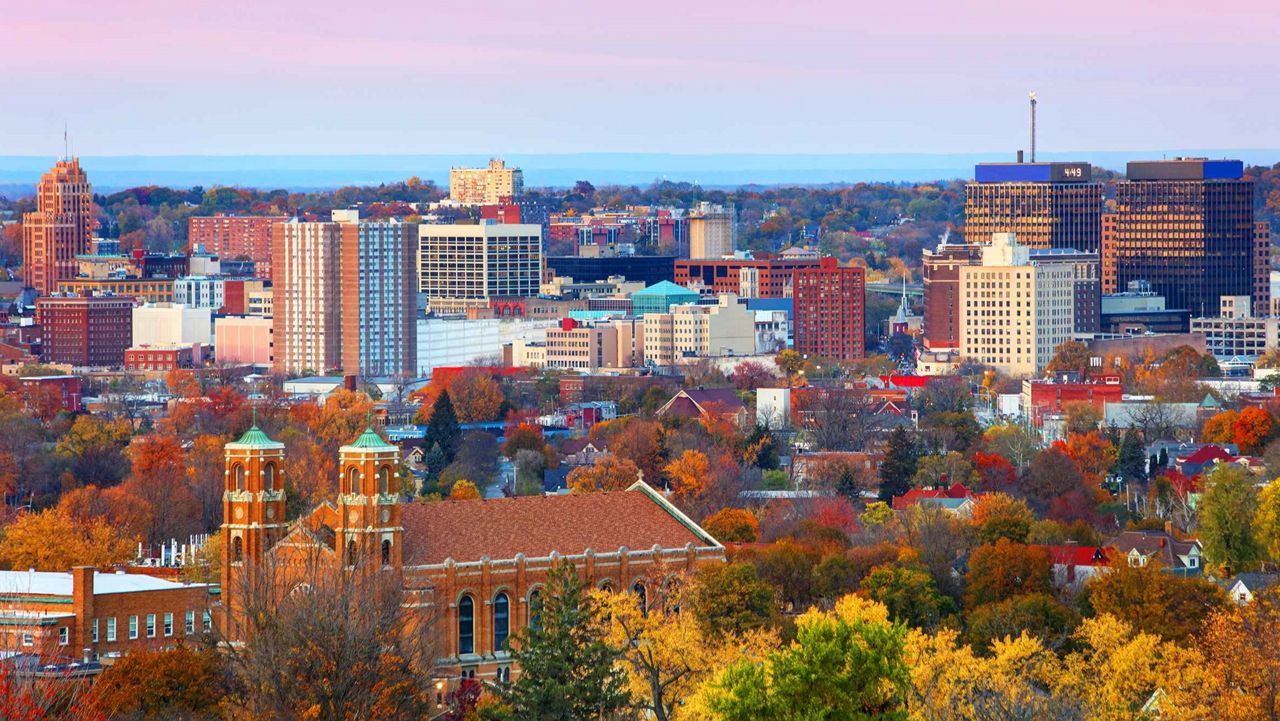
[700, 402]
[582, 452]
[1246, 586]
[1074, 564]
[472, 570]
[1202, 460]
[956, 499]
[1138, 548]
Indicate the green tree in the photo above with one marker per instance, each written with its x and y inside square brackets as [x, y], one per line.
[566, 672]
[731, 600]
[442, 427]
[1131, 462]
[1038, 614]
[910, 594]
[846, 664]
[1227, 511]
[901, 459]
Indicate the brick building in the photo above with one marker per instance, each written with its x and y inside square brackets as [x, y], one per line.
[474, 569]
[162, 358]
[85, 332]
[766, 275]
[66, 387]
[829, 302]
[232, 237]
[1045, 397]
[59, 228]
[84, 612]
[941, 273]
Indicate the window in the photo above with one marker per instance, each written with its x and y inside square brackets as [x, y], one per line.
[269, 476]
[95, 630]
[501, 621]
[535, 609]
[237, 550]
[190, 626]
[353, 480]
[133, 627]
[111, 629]
[64, 636]
[386, 552]
[351, 552]
[151, 625]
[384, 480]
[206, 620]
[466, 625]
[28, 639]
[239, 474]
[168, 624]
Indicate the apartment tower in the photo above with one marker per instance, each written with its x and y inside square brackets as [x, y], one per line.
[467, 266]
[495, 184]
[829, 311]
[710, 231]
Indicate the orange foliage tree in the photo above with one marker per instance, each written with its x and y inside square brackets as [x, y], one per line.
[1006, 569]
[610, 473]
[1252, 429]
[53, 540]
[476, 396]
[177, 683]
[159, 477]
[733, 525]
[687, 474]
[1219, 428]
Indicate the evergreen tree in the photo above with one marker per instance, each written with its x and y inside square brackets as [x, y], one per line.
[442, 427]
[1131, 461]
[901, 459]
[1163, 458]
[435, 461]
[566, 672]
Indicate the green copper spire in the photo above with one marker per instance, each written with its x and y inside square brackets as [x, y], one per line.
[255, 438]
[369, 439]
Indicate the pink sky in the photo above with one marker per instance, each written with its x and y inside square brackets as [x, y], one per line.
[164, 77]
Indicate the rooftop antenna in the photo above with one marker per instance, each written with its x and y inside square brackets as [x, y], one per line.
[1032, 96]
[66, 144]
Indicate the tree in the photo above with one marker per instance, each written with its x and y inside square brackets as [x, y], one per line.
[523, 436]
[1014, 444]
[1053, 477]
[1243, 649]
[442, 427]
[732, 525]
[836, 418]
[687, 474]
[1006, 569]
[847, 663]
[1227, 511]
[999, 515]
[1267, 521]
[1082, 416]
[95, 448]
[158, 684]
[610, 473]
[901, 459]
[1151, 600]
[1131, 459]
[750, 375]
[993, 471]
[1036, 614]
[476, 396]
[566, 670]
[1070, 357]
[731, 600]
[1220, 427]
[464, 490]
[939, 471]
[29, 543]
[159, 477]
[909, 593]
[1252, 429]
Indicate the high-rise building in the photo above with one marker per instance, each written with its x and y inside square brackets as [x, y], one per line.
[941, 274]
[232, 237]
[379, 297]
[829, 311]
[58, 229]
[461, 266]
[306, 292]
[85, 332]
[493, 185]
[1014, 309]
[690, 330]
[1187, 227]
[711, 231]
[1088, 287]
[1047, 205]
[1262, 252]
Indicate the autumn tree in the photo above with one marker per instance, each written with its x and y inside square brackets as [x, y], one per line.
[1252, 430]
[1227, 511]
[181, 682]
[636, 440]
[1152, 600]
[94, 448]
[94, 542]
[687, 474]
[1035, 614]
[1013, 443]
[935, 471]
[1006, 569]
[1082, 416]
[750, 375]
[1070, 356]
[610, 473]
[908, 592]
[159, 477]
[1267, 521]
[464, 490]
[992, 471]
[1220, 427]
[476, 396]
[731, 600]
[732, 525]
[1243, 649]
[999, 515]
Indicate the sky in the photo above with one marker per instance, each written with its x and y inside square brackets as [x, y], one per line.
[158, 77]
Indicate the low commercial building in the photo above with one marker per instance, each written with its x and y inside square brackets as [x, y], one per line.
[163, 358]
[1236, 332]
[451, 341]
[1138, 310]
[200, 291]
[1049, 396]
[171, 324]
[724, 329]
[144, 290]
[244, 340]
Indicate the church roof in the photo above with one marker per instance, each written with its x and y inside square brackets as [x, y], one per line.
[535, 526]
[254, 438]
[369, 439]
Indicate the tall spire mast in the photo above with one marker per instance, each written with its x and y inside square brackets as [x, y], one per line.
[1032, 95]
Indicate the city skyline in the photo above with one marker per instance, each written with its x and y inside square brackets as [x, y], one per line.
[823, 78]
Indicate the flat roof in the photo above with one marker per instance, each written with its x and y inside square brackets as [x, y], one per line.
[1185, 169]
[59, 583]
[1066, 172]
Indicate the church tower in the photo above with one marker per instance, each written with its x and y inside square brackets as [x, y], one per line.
[369, 532]
[253, 515]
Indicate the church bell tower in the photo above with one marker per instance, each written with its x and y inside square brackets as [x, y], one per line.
[369, 532]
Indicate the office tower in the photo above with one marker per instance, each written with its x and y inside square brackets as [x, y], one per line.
[486, 186]
[647, 269]
[379, 296]
[1262, 253]
[59, 228]
[461, 266]
[1187, 227]
[829, 303]
[711, 231]
[1087, 283]
[232, 237]
[85, 332]
[1047, 205]
[941, 274]
[306, 291]
[1015, 310]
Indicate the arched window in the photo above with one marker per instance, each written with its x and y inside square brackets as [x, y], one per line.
[238, 471]
[642, 596]
[269, 477]
[237, 550]
[535, 609]
[384, 480]
[353, 480]
[607, 586]
[501, 621]
[386, 552]
[351, 552]
[466, 625]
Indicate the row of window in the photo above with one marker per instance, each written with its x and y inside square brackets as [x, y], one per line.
[189, 627]
[501, 616]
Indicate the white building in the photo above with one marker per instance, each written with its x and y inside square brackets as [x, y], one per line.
[711, 231]
[773, 407]
[724, 329]
[171, 324]
[1014, 311]
[455, 341]
[461, 266]
[772, 328]
[1236, 332]
[200, 291]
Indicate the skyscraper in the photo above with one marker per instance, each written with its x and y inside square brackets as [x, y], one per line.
[235, 236]
[306, 291]
[461, 266]
[1185, 225]
[379, 296]
[59, 229]
[829, 303]
[486, 186]
[1047, 205]
[710, 231]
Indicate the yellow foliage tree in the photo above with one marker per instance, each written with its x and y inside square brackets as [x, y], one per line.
[464, 490]
[688, 473]
[53, 540]
[610, 473]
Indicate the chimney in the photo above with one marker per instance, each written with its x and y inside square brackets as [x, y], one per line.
[82, 602]
[1019, 156]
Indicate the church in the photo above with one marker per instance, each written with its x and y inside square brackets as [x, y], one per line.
[479, 565]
